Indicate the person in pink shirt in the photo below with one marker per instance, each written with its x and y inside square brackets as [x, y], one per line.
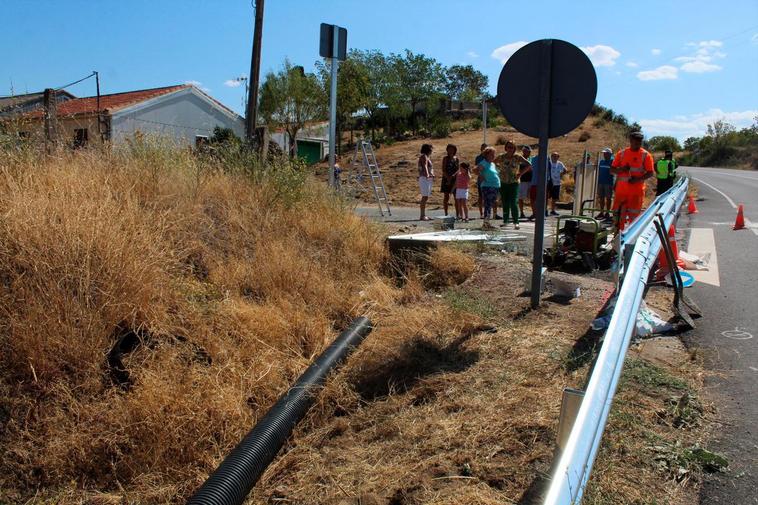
[462, 182]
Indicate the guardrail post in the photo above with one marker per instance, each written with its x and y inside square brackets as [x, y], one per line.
[570, 403]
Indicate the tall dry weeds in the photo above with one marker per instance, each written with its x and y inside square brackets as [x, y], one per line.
[219, 282]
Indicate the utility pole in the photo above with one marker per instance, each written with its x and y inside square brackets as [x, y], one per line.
[251, 116]
[50, 113]
[99, 113]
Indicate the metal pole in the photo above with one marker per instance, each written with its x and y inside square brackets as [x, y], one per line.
[99, 114]
[251, 115]
[333, 104]
[539, 225]
[484, 119]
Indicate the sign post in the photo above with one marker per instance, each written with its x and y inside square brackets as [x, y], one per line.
[565, 96]
[333, 45]
[546, 55]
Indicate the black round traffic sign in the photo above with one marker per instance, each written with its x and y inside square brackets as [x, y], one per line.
[573, 87]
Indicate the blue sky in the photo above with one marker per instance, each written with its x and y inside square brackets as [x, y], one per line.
[674, 66]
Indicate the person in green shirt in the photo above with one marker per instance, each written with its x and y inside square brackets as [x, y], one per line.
[511, 167]
[665, 173]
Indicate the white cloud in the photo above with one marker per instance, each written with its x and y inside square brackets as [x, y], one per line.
[655, 52]
[694, 125]
[502, 53]
[661, 73]
[706, 43]
[632, 64]
[472, 54]
[232, 83]
[700, 61]
[198, 85]
[699, 67]
[754, 38]
[602, 56]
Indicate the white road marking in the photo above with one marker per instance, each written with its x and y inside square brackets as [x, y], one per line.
[702, 242]
[737, 334]
[748, 224]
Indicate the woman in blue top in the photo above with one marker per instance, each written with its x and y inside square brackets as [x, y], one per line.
[490, 181]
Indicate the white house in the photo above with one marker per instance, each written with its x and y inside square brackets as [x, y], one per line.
[181, 113]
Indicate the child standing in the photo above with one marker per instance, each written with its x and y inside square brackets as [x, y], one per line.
[462, 181]
[490, 182]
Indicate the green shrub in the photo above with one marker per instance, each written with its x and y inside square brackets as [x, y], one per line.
[440, 129]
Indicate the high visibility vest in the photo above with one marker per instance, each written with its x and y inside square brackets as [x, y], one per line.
[626, 175]
[665, 169]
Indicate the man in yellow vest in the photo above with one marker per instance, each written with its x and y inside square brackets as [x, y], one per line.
[665, 173]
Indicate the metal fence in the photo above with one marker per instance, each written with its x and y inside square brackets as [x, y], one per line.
[640, 245]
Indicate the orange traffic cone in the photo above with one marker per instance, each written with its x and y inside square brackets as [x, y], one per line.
[739, 224]
[663, 264]
[692, 208]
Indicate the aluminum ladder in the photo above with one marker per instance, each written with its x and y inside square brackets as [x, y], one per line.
[364, 152]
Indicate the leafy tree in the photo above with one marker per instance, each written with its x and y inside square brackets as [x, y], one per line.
[691, 143]
[382, 85]
[353, 88]
[418, 77]
[291, 98]
[664, 142]
[719, 132]
[464, 82]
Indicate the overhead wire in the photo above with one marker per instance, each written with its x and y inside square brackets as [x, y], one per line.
[76, 82]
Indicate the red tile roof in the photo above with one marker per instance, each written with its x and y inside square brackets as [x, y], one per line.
[112, 102]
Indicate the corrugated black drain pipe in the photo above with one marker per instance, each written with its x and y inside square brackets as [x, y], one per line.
[241, 469]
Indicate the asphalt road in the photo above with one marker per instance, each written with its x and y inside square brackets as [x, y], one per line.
[728, 332]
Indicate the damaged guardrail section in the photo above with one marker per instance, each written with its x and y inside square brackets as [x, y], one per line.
[640, 245]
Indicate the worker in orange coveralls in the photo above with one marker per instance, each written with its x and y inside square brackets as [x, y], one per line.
[631, 166]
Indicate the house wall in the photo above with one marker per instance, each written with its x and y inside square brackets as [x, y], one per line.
[66, 126]
[181, 116]
[34, 129]
[316, 131]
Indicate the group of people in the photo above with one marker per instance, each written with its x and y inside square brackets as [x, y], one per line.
[507, 176]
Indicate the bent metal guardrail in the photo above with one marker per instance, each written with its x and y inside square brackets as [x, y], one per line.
[573, 470]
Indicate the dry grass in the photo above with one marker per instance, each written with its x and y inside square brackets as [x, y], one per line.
[228, 283]
[453, 414]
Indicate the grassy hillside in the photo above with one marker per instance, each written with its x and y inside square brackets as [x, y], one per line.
[219, 283]
[154, 304]
[398, 161]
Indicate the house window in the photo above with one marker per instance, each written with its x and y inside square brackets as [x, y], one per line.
[80, 138]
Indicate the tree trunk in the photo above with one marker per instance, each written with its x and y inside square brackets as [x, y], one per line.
[413, 116]
[293, 141]
[338, 137]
